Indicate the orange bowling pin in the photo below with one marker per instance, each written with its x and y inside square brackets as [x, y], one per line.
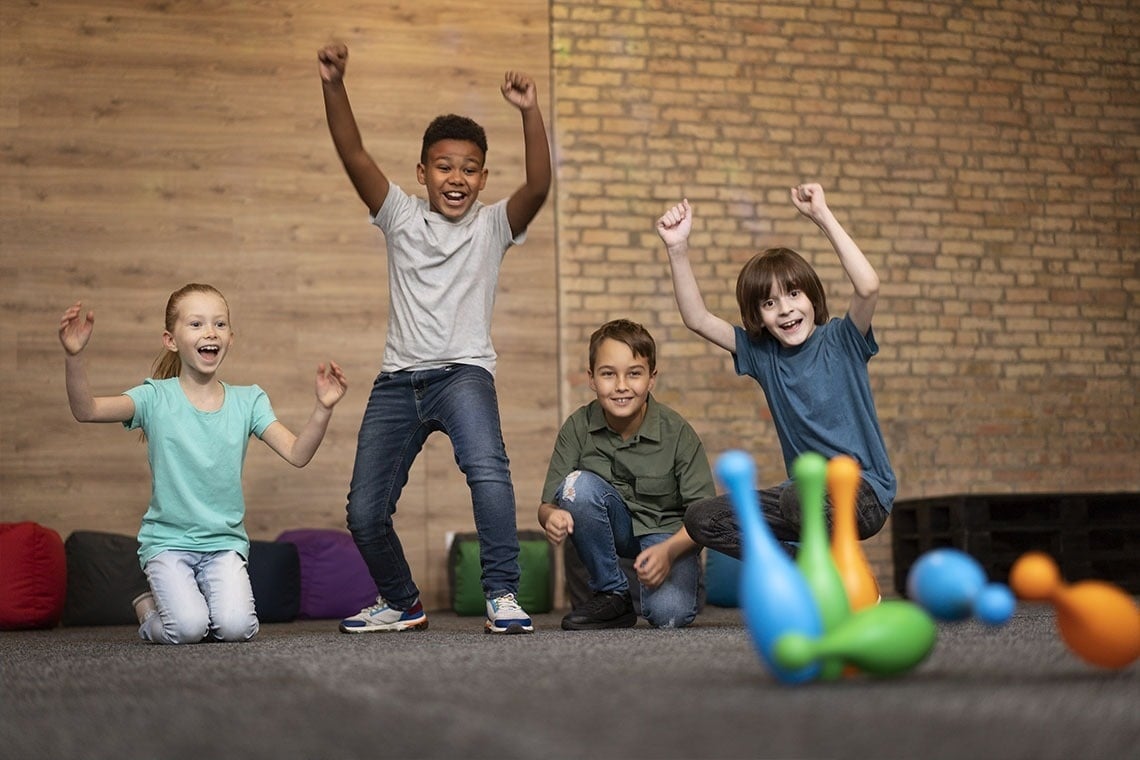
[1098, 621]
[843, 474]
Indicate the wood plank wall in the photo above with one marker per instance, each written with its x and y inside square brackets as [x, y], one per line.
[146, 145]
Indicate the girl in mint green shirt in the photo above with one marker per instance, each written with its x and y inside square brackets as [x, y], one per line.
[192, 543]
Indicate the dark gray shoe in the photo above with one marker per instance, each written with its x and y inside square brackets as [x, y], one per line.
[602, 611]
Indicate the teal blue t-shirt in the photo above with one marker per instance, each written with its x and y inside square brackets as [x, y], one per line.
[196, 462]
[819, 393]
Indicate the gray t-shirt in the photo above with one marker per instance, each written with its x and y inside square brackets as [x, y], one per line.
[442, 277]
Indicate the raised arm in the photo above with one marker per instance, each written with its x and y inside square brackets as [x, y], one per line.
[298, 450]
[370, 183]
[520, 91]
[75, 330]
[674, 228]
[810, 201]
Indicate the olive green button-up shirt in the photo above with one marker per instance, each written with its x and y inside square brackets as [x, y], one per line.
[659, 470]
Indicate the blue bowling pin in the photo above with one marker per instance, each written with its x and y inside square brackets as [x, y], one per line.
[774, 597]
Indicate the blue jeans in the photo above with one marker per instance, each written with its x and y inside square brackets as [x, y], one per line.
[403, 409]
[603, 532]
[199, 595]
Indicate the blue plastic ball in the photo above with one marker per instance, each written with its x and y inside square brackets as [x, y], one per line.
[945, 583]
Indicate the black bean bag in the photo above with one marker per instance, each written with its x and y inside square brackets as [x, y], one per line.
[103, 576]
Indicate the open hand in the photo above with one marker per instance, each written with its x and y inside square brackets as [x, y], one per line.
[331, 384]
[75, 328]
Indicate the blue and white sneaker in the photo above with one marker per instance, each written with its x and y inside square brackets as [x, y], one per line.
[381, 617]
[504, 615]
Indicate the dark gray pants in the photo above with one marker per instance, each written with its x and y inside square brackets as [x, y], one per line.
[712, 522]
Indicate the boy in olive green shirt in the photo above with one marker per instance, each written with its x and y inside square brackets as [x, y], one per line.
[624, 469]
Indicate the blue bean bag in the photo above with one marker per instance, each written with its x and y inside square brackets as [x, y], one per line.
[722, 575]
[275, 575]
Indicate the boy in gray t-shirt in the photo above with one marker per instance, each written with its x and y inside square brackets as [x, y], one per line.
[444, 255]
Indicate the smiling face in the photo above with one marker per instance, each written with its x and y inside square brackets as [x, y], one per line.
[622, 382]
[453, 174]
[789, 316]
[200, 333]
[780, 297]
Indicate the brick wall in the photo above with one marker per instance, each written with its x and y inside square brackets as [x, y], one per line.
[985, 157]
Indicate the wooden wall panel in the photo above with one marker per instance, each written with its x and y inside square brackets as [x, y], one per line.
[143, 146]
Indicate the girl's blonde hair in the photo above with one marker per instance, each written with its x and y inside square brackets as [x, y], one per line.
[168, 364]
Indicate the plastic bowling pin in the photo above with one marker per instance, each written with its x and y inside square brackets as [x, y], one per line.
[843, 474]
[814, 555]
[1097, 620]
[884, 639]
[774, 597]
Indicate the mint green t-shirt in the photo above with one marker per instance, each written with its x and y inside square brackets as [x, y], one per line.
[196, 462]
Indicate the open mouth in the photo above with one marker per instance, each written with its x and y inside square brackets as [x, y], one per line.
[209, 351]
[790, 326]
[454, 196]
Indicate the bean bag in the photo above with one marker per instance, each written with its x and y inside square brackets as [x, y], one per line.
[722, 574]
[335, 582]
[33, 576]
[536, 574]
[103, 577]
[275, 575]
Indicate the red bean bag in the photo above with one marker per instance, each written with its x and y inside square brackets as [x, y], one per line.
[33, 576]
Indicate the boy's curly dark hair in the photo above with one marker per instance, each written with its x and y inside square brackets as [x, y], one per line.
[453, 127]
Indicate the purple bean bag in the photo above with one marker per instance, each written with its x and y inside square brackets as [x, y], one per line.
[335, 582]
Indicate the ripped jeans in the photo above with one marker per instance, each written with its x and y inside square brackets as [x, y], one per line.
[603, 532]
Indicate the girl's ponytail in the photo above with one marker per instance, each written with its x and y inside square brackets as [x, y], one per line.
[166, 365]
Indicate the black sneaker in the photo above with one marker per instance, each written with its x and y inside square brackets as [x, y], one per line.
[602, 611]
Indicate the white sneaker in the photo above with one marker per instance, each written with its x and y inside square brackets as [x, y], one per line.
[504, 615]
[381, 617]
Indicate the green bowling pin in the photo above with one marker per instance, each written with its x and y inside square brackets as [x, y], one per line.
[814, 556]
[887, 639]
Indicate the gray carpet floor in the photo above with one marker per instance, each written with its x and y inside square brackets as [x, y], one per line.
[301, 690]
